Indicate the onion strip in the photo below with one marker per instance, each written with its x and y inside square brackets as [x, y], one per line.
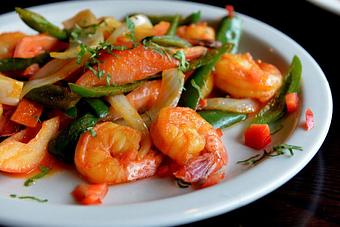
[70, 67]
[232, 105]
[123, 107]
[169, 95]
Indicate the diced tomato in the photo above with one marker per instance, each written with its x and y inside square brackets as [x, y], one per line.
[230, 10]
[161, 28]
[90, 194]
[31, 46]
[257, 136]
[8, 127]
[30, 70]
[292, 102]
[27, 113]
[309, 124]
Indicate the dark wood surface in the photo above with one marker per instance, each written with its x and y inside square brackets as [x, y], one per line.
[312, 197]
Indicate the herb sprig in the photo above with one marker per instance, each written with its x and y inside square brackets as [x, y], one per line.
[183, 63]
[29, 198]
[282, 149]
[43, 172]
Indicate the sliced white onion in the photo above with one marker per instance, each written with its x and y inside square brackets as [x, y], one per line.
[10, 90]
[123, 107]
[92, 40]
[138, 20]
[171, 90]
[232, 105]
[70, 67]
[49, 68]
[83, 18]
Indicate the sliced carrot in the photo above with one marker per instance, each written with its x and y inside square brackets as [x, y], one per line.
[309, 124]
[257, 136]
[128, 66]
[31, 46]
[27, 113]
[8, 127]
[292, 102]
[30, 70]
[90, 194]
[161, 28]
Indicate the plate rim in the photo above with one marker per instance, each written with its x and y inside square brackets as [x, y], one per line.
[188, 215]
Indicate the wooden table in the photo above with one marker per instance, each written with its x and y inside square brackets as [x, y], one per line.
[312, 197]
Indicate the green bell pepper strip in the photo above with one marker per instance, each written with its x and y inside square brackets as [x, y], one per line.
[40, 24]
[53, 96]
[192, 93]
[99, 107]
[192, 18]
[63, 146]
[204, 60]
[12, 64]
[169, 41]
[229, 31]
[275, 110]
[94, 92]
[222, 119]
[173, 26]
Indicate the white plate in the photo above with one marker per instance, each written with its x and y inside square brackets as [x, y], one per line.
[330, 5]
[159, 201]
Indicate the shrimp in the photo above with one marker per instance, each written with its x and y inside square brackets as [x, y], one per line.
[191, 142]
[242, 77]
[111, 156]
[199, 31]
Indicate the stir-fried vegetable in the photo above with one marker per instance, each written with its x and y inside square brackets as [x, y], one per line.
[10, 90]
[12, 64]
[231, 104]
[192, 92]
[173, 26]
[275, 110]
[62, 147]
[229, 30]
[222, 119]
[99, 107]
[168, 40]
[192, 18]
[101, 91]
[53, 96]
[40, 24]
[134, 120]
[68, 69]
[171, 90]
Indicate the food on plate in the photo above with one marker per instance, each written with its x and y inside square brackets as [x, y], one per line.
[123, 100]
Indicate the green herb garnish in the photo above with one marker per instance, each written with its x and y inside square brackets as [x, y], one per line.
[131, 27]
[29, 198]
[275, 151]
[183, 63]
[43, 172]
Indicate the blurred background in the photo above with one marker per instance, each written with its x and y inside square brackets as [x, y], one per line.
[311, 198]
